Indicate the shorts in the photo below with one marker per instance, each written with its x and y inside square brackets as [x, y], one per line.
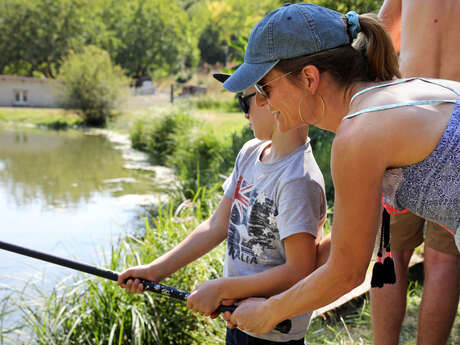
[406, 231]
[236, 337]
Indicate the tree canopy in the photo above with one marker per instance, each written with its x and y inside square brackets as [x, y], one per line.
[144, 37]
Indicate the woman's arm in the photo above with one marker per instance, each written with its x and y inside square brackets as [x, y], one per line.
[358, 164]
[204, 238]
[300, 261]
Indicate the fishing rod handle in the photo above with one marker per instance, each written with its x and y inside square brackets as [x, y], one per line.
[283, 327]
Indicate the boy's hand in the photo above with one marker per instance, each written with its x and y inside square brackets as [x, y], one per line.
[206, 298]
[133, 285]
[227, 315]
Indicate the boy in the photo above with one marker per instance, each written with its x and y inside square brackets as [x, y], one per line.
[272, 213]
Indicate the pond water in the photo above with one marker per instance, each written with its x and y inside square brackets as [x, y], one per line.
[70, 194]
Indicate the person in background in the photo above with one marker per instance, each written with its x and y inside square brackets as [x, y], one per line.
[424, 34]
[272, 214]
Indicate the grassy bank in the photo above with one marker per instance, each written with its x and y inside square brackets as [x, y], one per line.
[50, 118]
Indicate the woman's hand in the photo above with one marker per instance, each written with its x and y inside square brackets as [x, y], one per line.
[206, 298]
[133, 285]
[253, 315]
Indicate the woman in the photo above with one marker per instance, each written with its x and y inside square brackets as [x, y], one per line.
[399, 138]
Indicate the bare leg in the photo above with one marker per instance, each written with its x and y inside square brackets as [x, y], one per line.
[440, 297]
[388, 304]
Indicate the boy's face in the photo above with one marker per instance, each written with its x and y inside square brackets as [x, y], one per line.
[261, 119]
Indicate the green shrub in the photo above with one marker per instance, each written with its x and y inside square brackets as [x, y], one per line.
[198, 158]
[159, 136]
[92, 85]
[321, 143]
[198, 155]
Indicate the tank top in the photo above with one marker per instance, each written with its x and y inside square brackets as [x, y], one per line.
[431, 187]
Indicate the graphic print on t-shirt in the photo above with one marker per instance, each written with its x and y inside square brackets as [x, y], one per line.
[252, 227]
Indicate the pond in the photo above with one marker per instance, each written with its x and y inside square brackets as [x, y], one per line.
[71, 194]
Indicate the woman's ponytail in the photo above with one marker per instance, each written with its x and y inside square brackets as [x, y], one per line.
[376, 44]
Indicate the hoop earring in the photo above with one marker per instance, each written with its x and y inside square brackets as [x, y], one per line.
[324, 110]
[300, 113]
[322, 114]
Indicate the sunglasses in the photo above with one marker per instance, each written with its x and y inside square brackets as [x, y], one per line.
[260, 88]
[244, 101]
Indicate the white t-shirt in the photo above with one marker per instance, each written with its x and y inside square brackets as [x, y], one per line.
[270, 203]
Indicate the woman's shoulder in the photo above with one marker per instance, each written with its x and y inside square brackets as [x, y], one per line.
[361, 142]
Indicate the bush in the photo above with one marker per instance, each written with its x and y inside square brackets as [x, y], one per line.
[198, 158]
[198, 155]
[93, 85]
[321, 143]
[158, 137]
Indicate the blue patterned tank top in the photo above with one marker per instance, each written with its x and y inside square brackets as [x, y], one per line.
[431, 187]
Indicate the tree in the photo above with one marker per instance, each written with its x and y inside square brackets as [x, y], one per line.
[343, 6]
[92, 85]
[149, 37]
[35, 35]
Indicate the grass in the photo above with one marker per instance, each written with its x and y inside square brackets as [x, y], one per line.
[221, 122]
[53, 118]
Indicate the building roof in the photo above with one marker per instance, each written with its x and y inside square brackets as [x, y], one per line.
[28, 79]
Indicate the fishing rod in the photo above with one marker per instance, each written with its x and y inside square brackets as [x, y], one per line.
[283, 327]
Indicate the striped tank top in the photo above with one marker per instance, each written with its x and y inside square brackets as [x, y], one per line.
[431, 187]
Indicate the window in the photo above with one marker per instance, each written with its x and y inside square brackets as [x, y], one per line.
[20, 97]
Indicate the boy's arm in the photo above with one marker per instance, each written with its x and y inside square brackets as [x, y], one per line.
[300, 261]
[204, 238]
[322, 250]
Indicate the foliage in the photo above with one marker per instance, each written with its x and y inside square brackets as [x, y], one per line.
[158, 136]
[146, 38]
[36, 35]
[149, 37]
[343, 6]
[92, 85]
[321, 143]
[198, 155]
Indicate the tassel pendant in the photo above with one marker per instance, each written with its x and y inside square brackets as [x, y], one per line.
[378, 273]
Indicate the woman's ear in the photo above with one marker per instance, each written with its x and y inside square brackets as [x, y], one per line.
[311, 77]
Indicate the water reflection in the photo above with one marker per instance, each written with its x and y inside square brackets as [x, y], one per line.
[63, 168]
[68, 194]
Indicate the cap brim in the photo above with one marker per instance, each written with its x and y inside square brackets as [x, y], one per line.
[222, 77]
[247, 75]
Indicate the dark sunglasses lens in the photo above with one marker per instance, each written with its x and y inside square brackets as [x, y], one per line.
[243, 104]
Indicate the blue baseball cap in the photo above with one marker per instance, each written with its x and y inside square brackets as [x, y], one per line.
[287, 32]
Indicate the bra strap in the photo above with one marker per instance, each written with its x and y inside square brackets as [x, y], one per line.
[399, 105]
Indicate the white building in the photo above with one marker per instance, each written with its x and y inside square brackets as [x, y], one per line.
[29, 92]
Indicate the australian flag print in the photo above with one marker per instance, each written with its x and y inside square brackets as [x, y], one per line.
[252, 227]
